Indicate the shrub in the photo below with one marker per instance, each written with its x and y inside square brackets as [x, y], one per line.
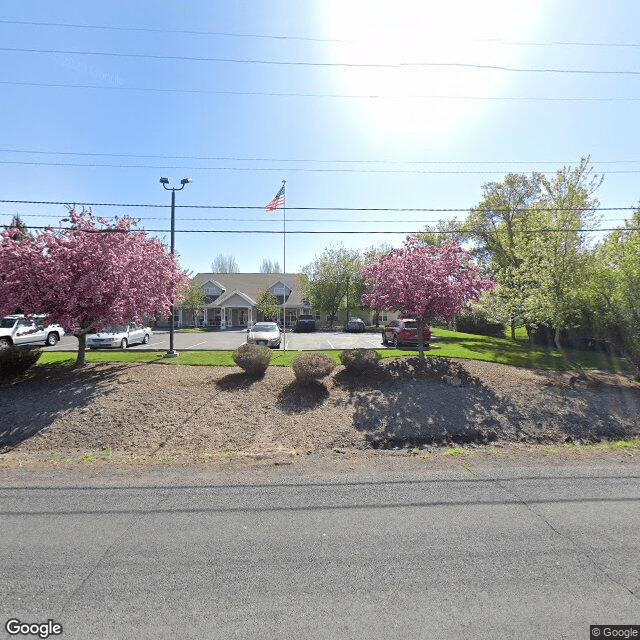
[16, 360]
[478, 324]
[359, 360]
[311, 367]
[252, 358]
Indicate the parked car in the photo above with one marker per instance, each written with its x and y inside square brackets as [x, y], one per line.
[404, 330]
[121, 336]
[356, 325]
[18, 329]
[305, 322]
[264, 333]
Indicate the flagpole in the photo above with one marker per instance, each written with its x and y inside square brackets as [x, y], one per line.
[284, 264]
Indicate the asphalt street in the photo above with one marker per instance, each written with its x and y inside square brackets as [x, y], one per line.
[504, 551]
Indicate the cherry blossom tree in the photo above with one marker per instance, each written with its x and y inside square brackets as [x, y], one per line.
[422, 281]
[88, 276]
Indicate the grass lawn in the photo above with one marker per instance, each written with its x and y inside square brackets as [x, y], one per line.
[448, 344]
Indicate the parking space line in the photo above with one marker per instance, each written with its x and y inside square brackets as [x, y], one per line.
[330, 345]
[195, 345]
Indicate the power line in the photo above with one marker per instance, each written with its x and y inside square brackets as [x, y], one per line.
[315, 231]
[303, 160]
[278, 221]
[553, 43]
[279, 169]
[295, 94]
[352, 65]
[289, 208]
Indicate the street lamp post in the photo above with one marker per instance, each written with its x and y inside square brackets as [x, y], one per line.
[164, 182]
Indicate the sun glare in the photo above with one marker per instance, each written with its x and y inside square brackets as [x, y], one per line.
[411, 32]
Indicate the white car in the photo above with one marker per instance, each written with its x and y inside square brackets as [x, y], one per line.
[121, 336]
[18, 329]
[264, 333]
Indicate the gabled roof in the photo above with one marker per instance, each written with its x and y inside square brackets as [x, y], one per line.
[226, 297]
[252, 285]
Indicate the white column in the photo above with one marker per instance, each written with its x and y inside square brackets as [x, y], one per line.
[204, 318]
[223, 318]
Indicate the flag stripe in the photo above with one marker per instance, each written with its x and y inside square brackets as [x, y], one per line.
[278, 201]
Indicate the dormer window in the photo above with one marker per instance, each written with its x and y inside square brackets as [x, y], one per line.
[281, 292]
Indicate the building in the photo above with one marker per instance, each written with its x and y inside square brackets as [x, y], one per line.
[231, 299]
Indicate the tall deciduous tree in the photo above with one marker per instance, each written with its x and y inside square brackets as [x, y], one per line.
[224, 264]
[270, 266]
[88, 276]
[331, 278]
[423, 281]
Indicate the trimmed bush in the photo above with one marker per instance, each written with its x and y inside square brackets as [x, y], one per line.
[476, 323]
[252, 358]
[311, 367]
[16, 360]
[359, 360]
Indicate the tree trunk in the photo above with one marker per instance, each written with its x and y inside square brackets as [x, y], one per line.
[513, 329]
[565, 354]
[422, 323]
[82, 347]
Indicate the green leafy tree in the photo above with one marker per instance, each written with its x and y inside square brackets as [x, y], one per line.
[614, 288]
[331, 278]
[193, 298]
[268, 305]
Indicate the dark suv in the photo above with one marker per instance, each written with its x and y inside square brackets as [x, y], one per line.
[403, 330]
[305, 322]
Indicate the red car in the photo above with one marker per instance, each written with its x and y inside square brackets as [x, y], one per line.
[403, 330]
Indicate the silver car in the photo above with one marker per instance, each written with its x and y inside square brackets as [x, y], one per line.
[121, 336]
[264, 333]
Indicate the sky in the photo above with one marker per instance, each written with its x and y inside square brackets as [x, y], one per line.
[357, 105]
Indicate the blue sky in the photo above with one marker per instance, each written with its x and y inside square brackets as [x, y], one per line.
[136, 119]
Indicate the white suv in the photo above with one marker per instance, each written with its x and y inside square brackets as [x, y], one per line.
[16, 329]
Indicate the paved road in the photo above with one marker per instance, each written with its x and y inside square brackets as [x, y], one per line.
[532, 552]
[233, 338]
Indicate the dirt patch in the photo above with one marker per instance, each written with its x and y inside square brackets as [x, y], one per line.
[157, 410]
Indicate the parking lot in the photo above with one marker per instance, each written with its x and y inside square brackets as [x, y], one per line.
[232, 338]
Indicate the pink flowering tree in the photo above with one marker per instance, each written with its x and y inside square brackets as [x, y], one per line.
[89, 276]
[421, 282]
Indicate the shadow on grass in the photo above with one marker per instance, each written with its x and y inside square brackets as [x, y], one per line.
[298, 398]
[33, 401]
[408, 404]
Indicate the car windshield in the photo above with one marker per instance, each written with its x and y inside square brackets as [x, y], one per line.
[265, 326]
[111, 329]
[7, 323]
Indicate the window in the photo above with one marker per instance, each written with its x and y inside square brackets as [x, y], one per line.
[281, 292]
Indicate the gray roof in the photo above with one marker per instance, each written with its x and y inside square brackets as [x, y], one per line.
[252, 284]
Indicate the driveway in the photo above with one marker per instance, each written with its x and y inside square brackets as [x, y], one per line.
[232, 338]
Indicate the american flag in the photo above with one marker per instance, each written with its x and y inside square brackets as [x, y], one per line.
[277, 201]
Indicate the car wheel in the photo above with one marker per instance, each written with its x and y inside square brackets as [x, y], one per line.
[145, 340]
[123, 343]
[4, 343]
[384, 339]
[52, 339]
[396, 342]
